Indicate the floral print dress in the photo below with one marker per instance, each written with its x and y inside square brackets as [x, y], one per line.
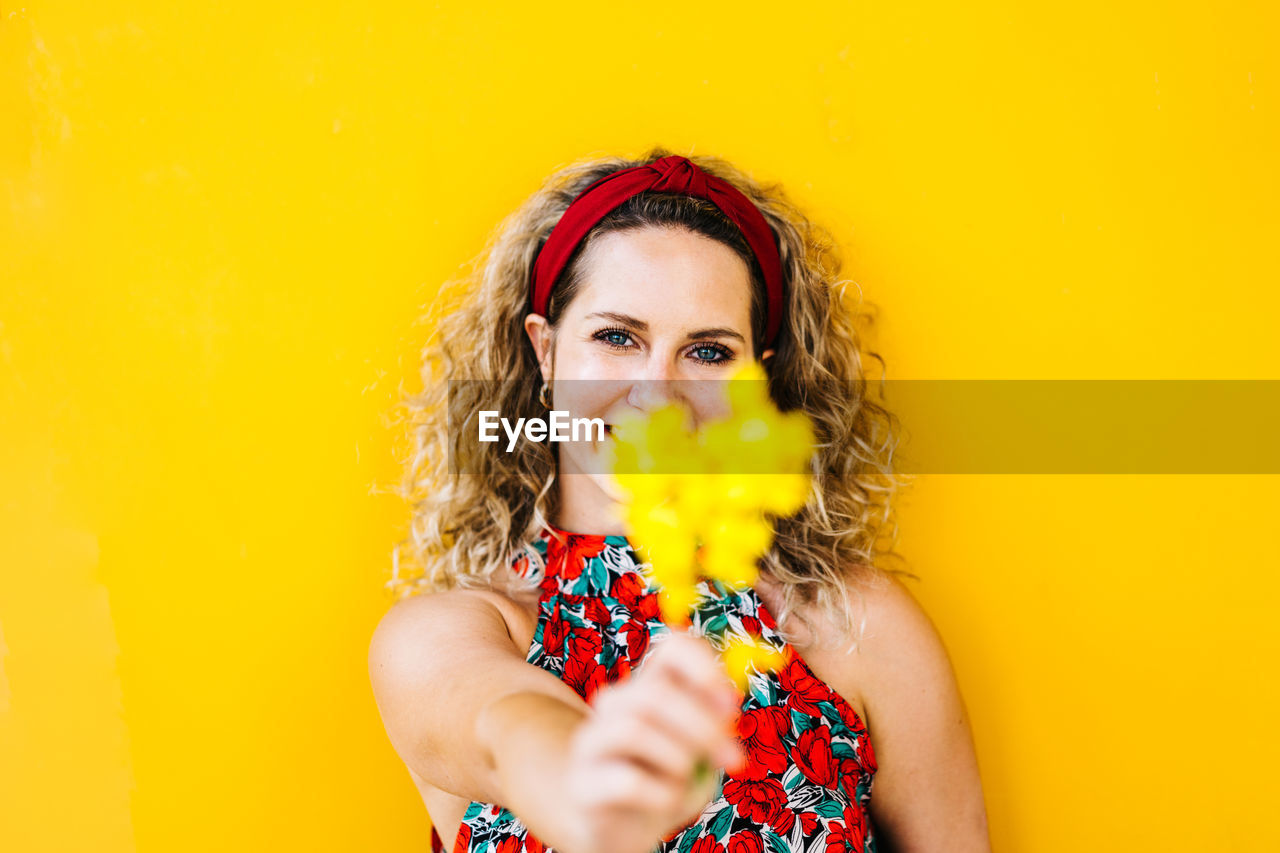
[807, 782]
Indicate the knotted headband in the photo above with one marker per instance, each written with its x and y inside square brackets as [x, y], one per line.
[672, 174]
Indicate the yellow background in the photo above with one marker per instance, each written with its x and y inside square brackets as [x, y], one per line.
[218, 222]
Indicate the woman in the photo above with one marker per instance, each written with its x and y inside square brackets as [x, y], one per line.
[536, 697]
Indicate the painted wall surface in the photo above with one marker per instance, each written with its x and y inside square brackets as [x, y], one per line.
[218, 222]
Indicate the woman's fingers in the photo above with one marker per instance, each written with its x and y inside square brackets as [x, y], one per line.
[702, 729]
[628, 804]
[691, 663]
[689, 691]
[682, 694]
[632, 735]
[621, 784]
[634, 760]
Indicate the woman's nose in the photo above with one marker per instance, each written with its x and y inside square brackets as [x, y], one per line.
[656, 385]
[648, 394]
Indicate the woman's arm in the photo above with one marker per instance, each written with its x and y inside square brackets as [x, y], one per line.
[927, 794]
[440, 665]
[467, 713]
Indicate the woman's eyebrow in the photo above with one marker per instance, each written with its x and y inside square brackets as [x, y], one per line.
[719, 332]
[622, 319]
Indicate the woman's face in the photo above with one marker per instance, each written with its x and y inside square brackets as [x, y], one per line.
[658, 310]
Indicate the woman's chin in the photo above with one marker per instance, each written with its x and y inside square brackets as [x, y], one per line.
[609, 486]
[595, 471]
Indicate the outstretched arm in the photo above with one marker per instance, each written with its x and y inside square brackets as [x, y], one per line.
[442, 666]
[467, 713]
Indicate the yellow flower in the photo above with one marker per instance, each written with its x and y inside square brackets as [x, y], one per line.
[675, 600]
[699, 502]
[741, 657]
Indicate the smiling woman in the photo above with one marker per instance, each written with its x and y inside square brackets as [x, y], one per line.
[535, 694]
[602, 354]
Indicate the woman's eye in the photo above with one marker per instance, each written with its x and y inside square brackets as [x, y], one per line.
[614, 338]
[711, 354]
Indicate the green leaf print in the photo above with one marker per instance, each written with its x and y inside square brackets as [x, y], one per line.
[775, 842]
[841, 749]
[803, 722]
[716, 625]
[829, 808]
[762, 691]
[598, 575]
[719, 825]
[828, 710]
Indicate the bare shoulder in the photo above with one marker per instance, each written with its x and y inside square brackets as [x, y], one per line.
[436, 660]
[886, 638]
[928, 792]
[421, 616]
[883, 615]
[411, 657]
[897, 631]
[900, 669]
[422, 626]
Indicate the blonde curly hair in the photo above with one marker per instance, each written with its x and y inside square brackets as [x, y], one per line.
[465, 528]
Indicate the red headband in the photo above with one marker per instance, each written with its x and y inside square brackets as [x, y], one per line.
[672, 174]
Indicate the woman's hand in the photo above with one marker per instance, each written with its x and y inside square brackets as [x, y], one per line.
[633, 773]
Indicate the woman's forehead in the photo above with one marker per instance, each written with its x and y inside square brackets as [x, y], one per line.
[670, 249]
[665, 273]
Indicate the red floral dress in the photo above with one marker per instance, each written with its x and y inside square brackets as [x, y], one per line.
[808, 779]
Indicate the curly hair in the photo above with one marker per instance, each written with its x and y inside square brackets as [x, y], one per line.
[466, 528]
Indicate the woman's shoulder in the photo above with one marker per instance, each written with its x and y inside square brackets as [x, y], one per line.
[885, 648]
[894, 620]
[879, 606]
[422, 623]
[927, 783]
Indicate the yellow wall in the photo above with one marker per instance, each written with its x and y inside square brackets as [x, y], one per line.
[217, 222]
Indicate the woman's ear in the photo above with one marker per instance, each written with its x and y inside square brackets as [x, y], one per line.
[766, 355]
[540, 335]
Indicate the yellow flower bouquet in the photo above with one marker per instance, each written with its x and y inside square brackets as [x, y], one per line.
[699, 501]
